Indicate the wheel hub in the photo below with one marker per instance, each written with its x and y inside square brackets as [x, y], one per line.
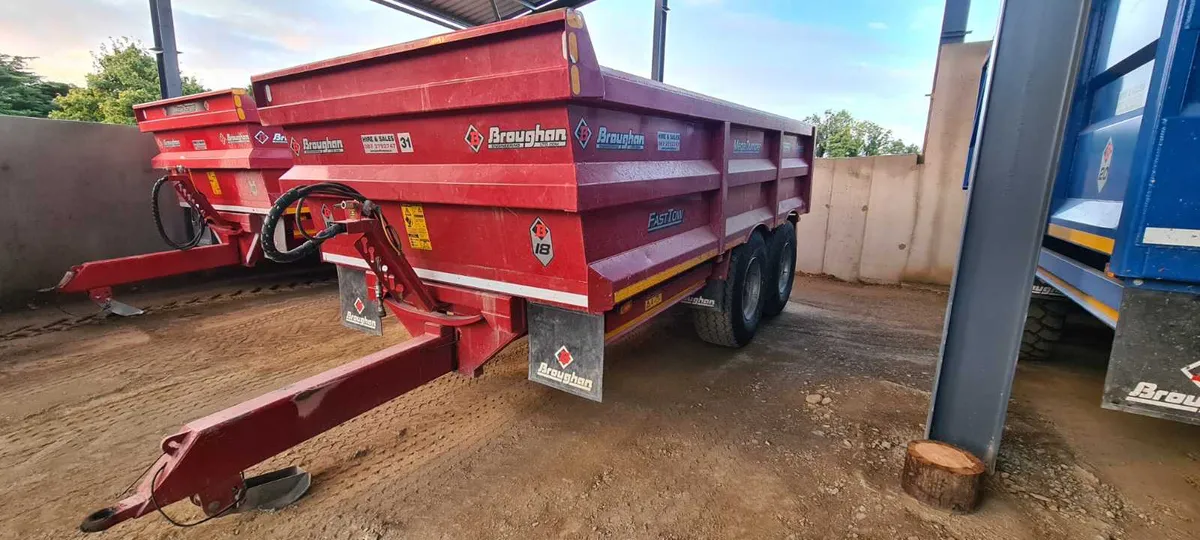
[753, 289]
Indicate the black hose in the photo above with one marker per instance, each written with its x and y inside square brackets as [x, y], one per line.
[200, 227]
[313, 242]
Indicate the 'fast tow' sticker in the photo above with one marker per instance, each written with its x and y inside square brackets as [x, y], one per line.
[414, 223]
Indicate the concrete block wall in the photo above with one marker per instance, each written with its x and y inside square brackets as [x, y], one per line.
[72, 192]
[862, 225]
[891, 219]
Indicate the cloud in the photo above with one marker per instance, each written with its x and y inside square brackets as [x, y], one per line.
[876, 25]
[803, 69]
[222, 42]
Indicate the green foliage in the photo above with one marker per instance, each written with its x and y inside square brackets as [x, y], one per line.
[23, 93]
[125, 75]
[839, 134]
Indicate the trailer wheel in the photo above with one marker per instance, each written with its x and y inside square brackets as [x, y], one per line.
[1043, 327]
[782, 269]
[736, 323]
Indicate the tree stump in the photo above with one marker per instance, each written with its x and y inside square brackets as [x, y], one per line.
[942, 475]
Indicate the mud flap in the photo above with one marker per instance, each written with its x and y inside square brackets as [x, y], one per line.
[710, 298]
[359, 310]
[1155, 368]
[566, 350]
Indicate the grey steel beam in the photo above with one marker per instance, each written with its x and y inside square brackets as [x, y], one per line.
[1028, 90]
[426, 13]
[954, 21]
[659, 47]
[163, 24]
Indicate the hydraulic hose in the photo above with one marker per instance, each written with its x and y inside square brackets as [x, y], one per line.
[313, 242]
[200, 225]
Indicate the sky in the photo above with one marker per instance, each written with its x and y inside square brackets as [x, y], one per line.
[874, 58]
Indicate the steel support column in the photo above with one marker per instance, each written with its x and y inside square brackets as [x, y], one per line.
[659, 48]
[954, 21]
[1028, 89]
[163, 22]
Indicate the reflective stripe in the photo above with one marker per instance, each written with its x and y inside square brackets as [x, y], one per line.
[1086, 239]
[1107, 314]
[523, 291]
[654, 311]
[660, 277]
[1163, 236]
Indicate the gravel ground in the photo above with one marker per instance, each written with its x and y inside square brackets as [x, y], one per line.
[799, 435]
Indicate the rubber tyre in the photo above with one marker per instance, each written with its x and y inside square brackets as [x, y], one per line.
[1043, 327]
[780, 251]
[731, 327]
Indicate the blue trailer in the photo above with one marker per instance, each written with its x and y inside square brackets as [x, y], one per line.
[1123, 233]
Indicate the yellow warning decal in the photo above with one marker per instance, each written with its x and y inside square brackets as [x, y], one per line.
[212, 181]
[414, 223]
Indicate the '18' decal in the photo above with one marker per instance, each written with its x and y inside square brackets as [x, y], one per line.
[543, 245]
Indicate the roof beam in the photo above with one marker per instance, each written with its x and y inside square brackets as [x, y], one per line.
[427, 13]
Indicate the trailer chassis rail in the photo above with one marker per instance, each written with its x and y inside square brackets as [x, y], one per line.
[97, 278]
[452, 329]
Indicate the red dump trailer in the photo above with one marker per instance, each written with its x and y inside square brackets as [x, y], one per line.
[489, 184]
[224, 165]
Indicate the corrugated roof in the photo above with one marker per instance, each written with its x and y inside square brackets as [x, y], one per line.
[464, 13]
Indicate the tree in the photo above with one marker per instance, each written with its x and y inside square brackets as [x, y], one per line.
[839, 134]
[23, 93]
[125, 75]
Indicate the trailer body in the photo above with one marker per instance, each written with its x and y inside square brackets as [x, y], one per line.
[488, 184]
[1123, 233]
[513, 163]
[224, 165]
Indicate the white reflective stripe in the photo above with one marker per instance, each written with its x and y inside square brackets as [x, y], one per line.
[1164, 236]
[525, 291]
[344, 260]
[233, 208]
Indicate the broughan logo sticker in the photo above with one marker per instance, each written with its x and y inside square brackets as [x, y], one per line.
[324, 146]
[583, 133]
[359, 320]
[474, 138]
[1147, 393]
[699, 301]
[619, 140]
[564, 358]
[235, 138]
[537, 137]
[262, 137]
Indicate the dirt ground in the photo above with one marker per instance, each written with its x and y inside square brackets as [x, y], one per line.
[692, 441]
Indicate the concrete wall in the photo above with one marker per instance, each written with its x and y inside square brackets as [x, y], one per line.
[71, 192]
[887, 219]
[861, 226]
